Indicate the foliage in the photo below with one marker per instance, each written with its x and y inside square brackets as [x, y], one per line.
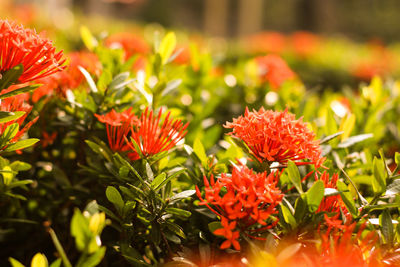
[179, 158]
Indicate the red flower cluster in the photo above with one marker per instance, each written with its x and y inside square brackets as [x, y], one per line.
[276, 137]
[249, 200]
[273, 69]
[333, 204]
[23, 46]
[150, 133]
[340, 248]
[12, 104]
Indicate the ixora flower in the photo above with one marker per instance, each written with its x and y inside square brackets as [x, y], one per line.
[13, 104]
[243, 201]
[23, 46]
[341, 248]
[273, 69]
[333, 205]
[118, 126]
[153, 135]
[274, 136]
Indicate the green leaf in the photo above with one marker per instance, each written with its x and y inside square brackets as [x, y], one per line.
[167, 46]
[11, 76]
[315, 195]
[178, 212]
[330, 125]
[199, 150]
[183, 194]
[89, 80]
[379, 176]
[9, 134]
[15, 263]
[158, 180]
[56, 263]
[18, 91]
[176, 229]
[80, 230]
[149, 172]
[300, 208]
[6, 116]
[397, 158]
[330, 137]
[94, 259]
[114, 197]
[87, 38]
[385, 222]
[173, 238]
[99, 150]
[294, 176]
[393, 188]
[347, 198]
[21, 144]
[354, 140]
[288, 216]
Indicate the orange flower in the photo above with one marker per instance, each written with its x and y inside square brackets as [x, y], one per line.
[266, 42]
[131, 44]
[277, 137]
[118, 127]
[273, 69]
[12, 104]
[154, 136]
[23, 46]
[71, 77]
[249, 200]
[304, 43]
[333, 206]
[340, 248]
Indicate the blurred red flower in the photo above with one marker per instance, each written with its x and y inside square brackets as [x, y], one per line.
[333, 205]
[304, 43]
[266, 42]
[242, 200]
[71, 77]
[24, 46]
[340, 248]
[273, 69]
[118, 126]
[130, 43]
[153, 135]
[277, 137]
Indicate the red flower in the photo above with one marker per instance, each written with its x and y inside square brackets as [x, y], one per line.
[131, 44]
[70, 78]
[249, 200]
[304, 43]
[118, 127]
[226, 231]
[273, 69]
[266, 42]
[340, 248]
[23, 46]
[12, 104]
[154, 136]
[277, 137]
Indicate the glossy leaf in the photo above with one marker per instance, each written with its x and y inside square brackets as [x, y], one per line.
[315, 195]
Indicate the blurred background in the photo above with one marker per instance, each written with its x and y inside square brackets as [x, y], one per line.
[358, 19]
